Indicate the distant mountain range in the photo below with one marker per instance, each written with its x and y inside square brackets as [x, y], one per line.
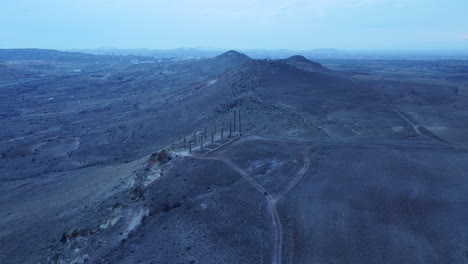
[325, 53]
[61, 56]
[113, 54]
[205, 53]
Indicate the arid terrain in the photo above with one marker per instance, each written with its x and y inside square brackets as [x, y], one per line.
[132, 159]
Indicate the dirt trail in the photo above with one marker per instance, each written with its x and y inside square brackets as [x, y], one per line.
[271, 198]
[288, 184]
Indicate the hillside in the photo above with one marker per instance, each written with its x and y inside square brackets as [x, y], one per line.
[302, 63]
[221, 63]
[50, 55]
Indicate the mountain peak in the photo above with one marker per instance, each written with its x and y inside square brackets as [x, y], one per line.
[233, 54]
[298, 58]
[304, 63]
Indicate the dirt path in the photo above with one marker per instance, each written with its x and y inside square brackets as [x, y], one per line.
[415, 127]
[271, 199]
[285, 186]
[277, 252]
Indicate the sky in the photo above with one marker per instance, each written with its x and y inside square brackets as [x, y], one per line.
[236, 24]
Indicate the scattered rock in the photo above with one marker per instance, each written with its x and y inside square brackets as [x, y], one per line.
[135, 193]
[159, 158]
[63, 238]
[74, 234]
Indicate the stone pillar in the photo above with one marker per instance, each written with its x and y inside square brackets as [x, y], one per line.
[240, 124]
[234, 126]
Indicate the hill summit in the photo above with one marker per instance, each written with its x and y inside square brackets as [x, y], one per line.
[221, 63]
[300, 58]
[233, 55]
[303, 63]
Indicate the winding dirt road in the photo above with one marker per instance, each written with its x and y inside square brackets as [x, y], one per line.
[271, 198]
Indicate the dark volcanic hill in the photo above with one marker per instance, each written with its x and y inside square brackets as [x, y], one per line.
[232, 56]
[221, 63]
[279, 98]
[303, 63]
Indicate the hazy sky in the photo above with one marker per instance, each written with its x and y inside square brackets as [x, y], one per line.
[266, 24]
